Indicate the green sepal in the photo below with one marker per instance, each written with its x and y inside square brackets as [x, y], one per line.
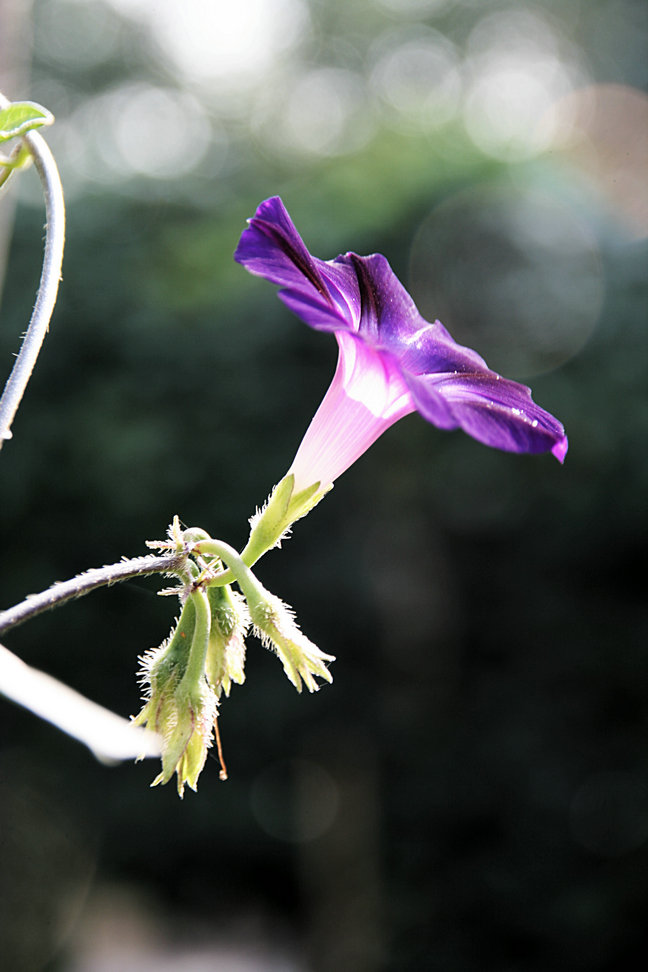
[225, 662]
[186, 750]
[304, 501]
[277, 628]
[175, 657]
[271, 524]
[21, 117]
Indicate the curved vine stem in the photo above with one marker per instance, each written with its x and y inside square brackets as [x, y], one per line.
[107, 735]
[89, 581]
[49, 281]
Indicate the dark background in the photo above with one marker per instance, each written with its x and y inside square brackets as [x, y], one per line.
[471, 792]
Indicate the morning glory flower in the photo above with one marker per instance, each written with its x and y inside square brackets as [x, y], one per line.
[391, 361]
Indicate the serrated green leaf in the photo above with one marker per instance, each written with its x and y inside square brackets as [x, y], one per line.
[21, 117]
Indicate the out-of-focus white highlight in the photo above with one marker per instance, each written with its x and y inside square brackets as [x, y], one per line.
[417, 77]
[157, 132]
[80, 33]
[323, 112]
[214, 40]
[518, 66]
[136, 130]
[108, 736]
[416, 8]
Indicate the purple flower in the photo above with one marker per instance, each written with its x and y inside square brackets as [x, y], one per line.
[391, 361]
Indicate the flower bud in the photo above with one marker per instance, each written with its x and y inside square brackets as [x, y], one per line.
[230, 620]
[275, 625]
[180, 710]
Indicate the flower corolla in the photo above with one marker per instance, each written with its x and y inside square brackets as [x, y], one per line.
[391, 361]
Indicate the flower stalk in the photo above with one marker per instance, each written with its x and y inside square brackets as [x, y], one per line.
[274, 622]
[49, 281]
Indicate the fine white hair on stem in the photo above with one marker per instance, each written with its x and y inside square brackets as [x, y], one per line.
[88, 581]
[49, 281]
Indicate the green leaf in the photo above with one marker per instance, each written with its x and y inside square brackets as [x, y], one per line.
[19, 158]
[21, 117]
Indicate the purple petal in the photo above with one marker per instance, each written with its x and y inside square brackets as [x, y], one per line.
[493, 410]
[390, 319]
[272, 248]
[351, 292]
[322, 294]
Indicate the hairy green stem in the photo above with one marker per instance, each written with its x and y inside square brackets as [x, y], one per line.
[200, 641]
[238, 570]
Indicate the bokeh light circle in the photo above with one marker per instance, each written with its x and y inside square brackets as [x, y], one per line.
[603, 130]
[417, 77]
[514, 273]
[517, 66]
[233, 45]
[159, 133]
[295, 800]
[135, 130]
[320, 113]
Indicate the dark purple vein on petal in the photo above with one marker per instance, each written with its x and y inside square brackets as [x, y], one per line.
[294, 256]
[369, 297]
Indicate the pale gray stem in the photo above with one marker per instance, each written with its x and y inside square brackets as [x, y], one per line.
[110, 737]
[49, 281]
[89, 581]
